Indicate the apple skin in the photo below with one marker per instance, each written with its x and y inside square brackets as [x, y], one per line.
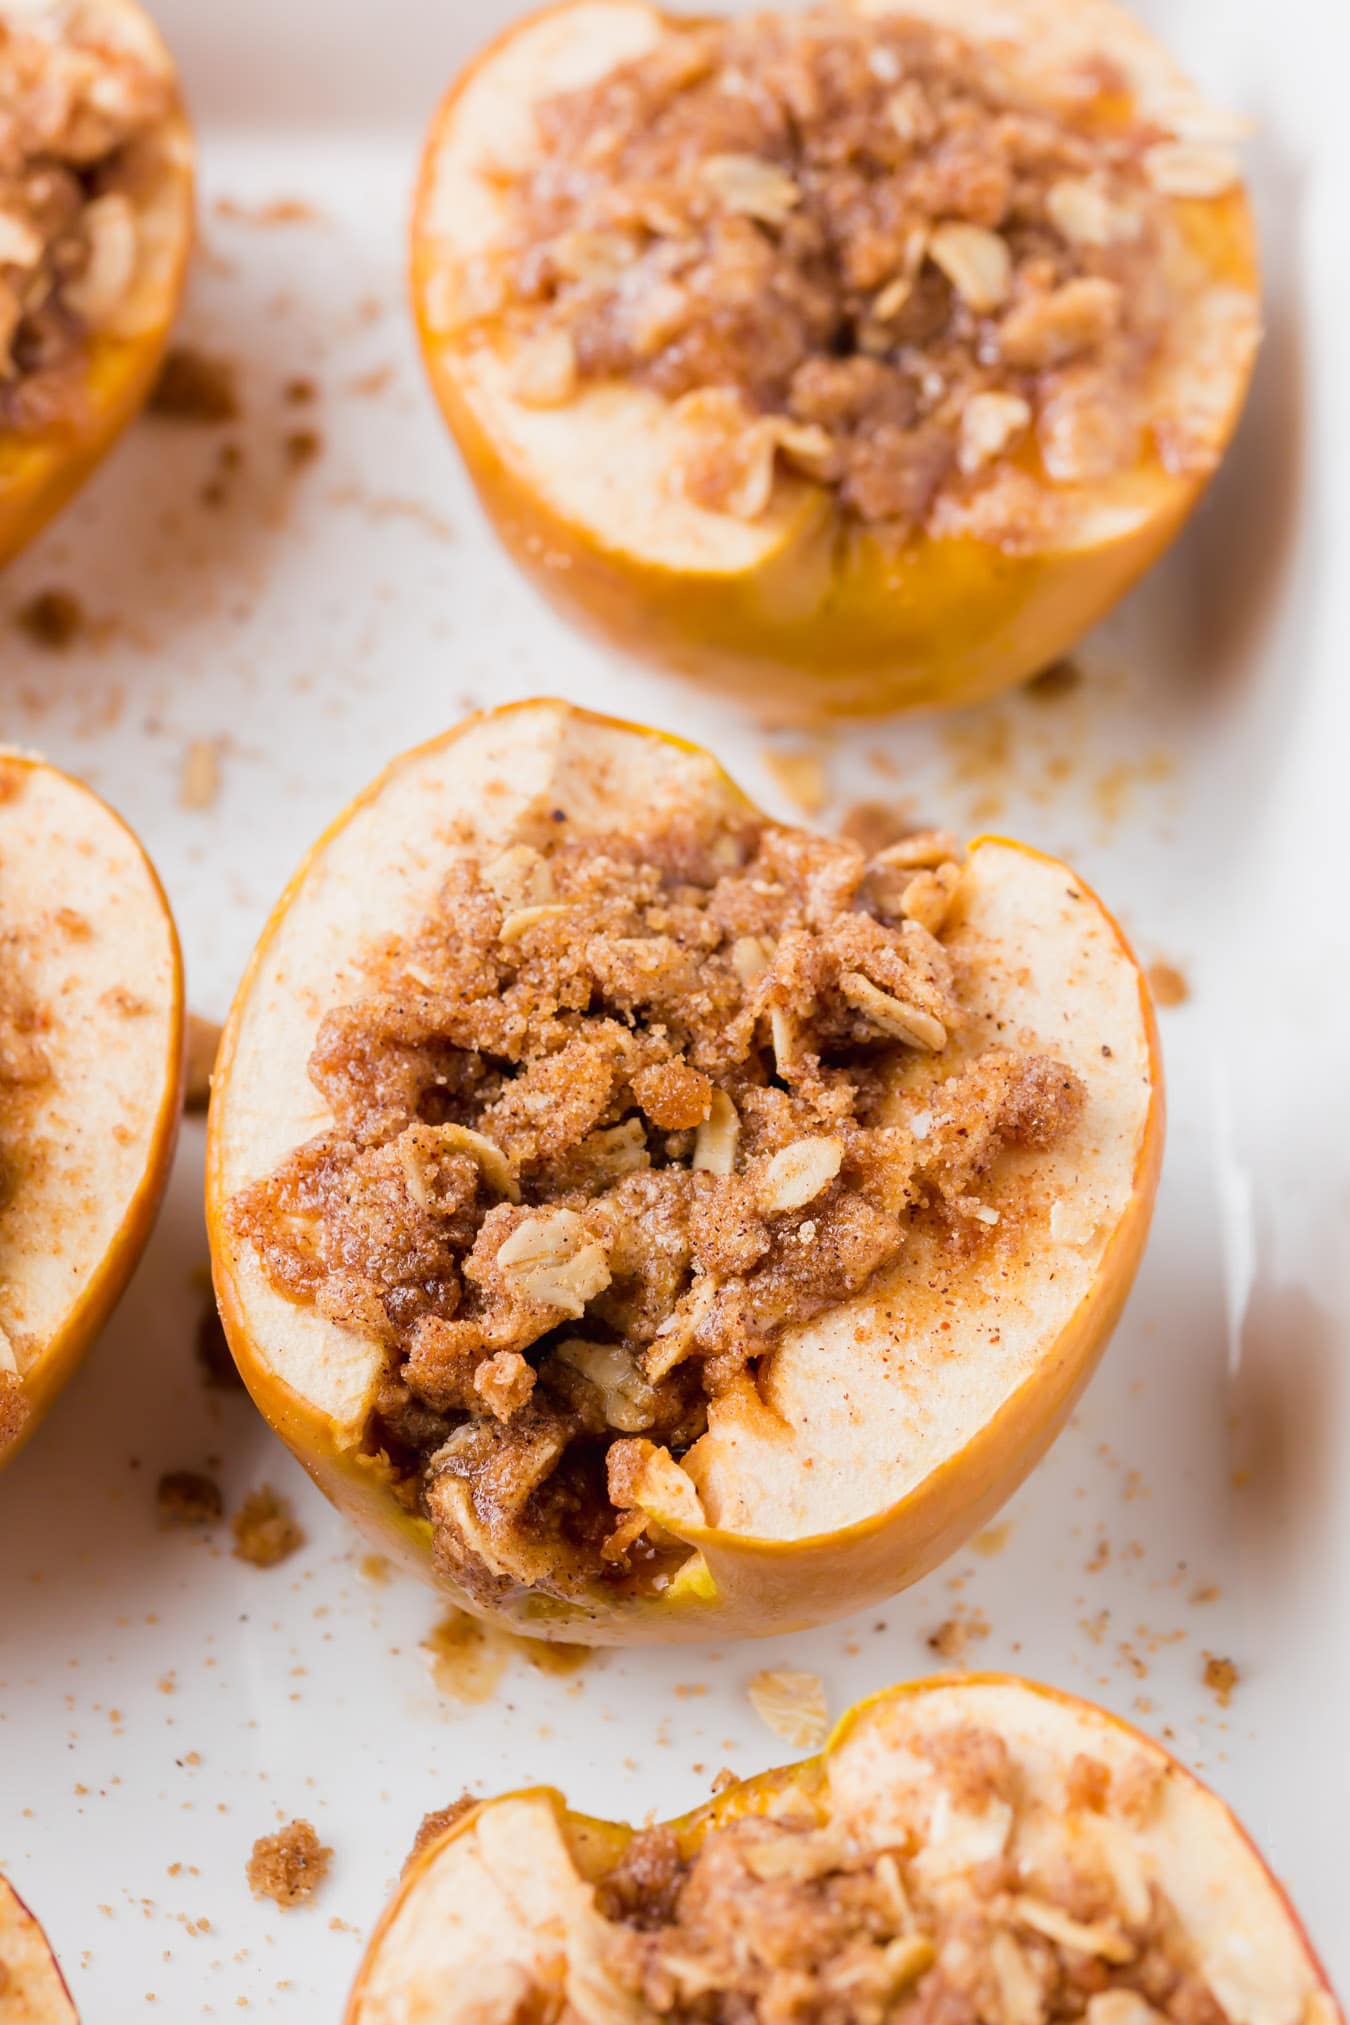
[604, 1841]
[41, 472]
[735, 1586]
[834, 623]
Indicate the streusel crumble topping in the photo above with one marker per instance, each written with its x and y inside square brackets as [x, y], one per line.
[617, 1116]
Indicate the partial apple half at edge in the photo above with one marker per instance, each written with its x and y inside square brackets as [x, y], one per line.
[899, 1421]
[502, 1904]
[802, 607]
[91, 1089]
[41, 469]
[32, 1988]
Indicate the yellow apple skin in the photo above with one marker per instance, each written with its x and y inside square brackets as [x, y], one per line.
[835, 623]
[734, 1586]
[40, 472]
[604, 1841]
[106, 1285]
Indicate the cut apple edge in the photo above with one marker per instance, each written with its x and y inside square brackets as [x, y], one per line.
[32, 1989]
[486, 1909]
[40, 472]
[316, 1382]
[100, 959]
[583, 493]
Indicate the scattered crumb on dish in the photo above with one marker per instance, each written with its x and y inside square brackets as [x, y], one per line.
[288, 1867]
[1060, 679]
[468, 1657]
[265, 1529]
[1221, 1677]
[199, 777]
[302, 447]
[188, 1498]
[53, 620]
[195, 386]
[1169, 985]
[875, 825]
[274, 211]
[956, 1634]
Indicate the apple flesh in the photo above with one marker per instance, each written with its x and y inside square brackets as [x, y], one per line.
[91, 948]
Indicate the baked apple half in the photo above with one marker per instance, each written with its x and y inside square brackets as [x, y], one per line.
[661, 1222]
[91, 1046]
[972, 1849]
[860, 356]
[95, 229]
[32, 1988]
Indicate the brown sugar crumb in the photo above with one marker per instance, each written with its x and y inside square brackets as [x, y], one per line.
[867, 253]
[288, 1867]
[196, 387]
[275, 211]
[618, 1113]
[53, 620]
[433, 1826]
[187, 1498]
[203, 1042]
[953, 1637]
[265, 1529]
[1220, 1677]
[301, 447]
[1168, 984]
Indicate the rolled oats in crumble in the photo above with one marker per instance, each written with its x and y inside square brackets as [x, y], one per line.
[611, 1121]
[955, 1914]
[866, 251]
[76, 113]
